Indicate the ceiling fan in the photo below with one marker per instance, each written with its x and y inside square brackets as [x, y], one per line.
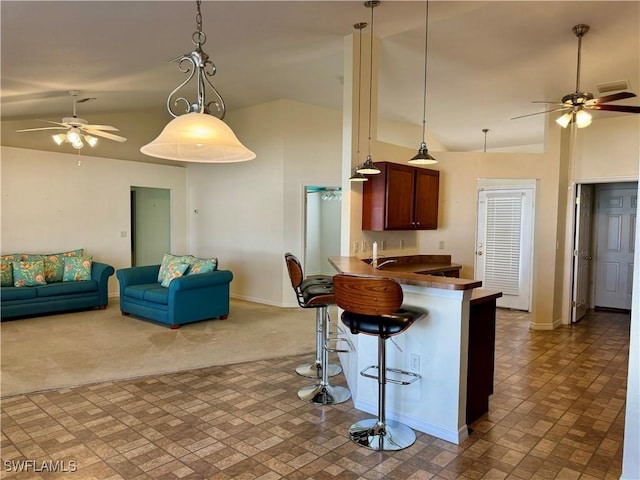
[575, 105]
[78, 129]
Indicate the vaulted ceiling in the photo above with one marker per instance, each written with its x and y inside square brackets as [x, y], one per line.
[487, 60]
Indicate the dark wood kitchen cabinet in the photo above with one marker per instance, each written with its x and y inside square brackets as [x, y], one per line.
[401, 197]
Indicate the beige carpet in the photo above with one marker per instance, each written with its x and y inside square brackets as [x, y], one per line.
[73, 349]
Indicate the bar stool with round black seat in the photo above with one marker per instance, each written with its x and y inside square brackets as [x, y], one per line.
[317, 293]
[372, 306]
[299, 284]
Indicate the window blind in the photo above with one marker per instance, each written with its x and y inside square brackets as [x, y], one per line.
[503, 242]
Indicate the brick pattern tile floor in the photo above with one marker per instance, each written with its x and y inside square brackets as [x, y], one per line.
[557, 412]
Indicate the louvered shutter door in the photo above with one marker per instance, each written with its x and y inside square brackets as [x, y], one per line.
[503, 242]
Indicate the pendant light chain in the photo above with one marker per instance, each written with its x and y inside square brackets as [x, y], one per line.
[359, 26]
[426, 44]
[372, 4]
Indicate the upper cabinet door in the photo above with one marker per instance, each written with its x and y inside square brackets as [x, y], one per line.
[399, 198]
[427, 186]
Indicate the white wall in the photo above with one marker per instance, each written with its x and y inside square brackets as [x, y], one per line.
[251, 213]
[50, 204]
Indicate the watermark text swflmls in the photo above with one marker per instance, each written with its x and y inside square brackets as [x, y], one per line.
[57, 466]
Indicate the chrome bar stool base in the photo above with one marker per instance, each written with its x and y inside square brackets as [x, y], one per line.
[314, 370]
[324, 394]
[381, 437]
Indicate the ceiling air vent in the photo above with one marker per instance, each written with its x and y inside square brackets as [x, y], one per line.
[619, 86]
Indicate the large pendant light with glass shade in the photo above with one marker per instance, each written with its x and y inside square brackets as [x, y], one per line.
[199, 135]
[368, 167]
[357, 176]
[423, 157]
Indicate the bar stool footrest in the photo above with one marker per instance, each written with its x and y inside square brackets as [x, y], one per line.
[412, 377]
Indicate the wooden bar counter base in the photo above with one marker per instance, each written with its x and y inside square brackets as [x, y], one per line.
[451, 347]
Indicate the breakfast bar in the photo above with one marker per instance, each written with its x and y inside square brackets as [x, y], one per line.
[451, 347]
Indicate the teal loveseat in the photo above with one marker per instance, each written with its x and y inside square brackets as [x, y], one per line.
[189, 298]
[59, 296]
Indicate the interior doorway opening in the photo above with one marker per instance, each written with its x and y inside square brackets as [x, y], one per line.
[603, 247]
[323, 205]
[150, 225]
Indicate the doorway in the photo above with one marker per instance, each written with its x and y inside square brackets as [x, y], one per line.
[150, 225]
[504, 240]
[321, 228]
[604, 240]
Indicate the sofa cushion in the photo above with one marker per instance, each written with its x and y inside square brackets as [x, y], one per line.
[18, 293]
[151, 292]
[67, 288]
[77, 269]
[157, 294]
[28, 274]
[6, 273]
[174, 270]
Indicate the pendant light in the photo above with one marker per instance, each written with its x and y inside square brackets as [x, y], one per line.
[423, 157]
[368, 167]
[199, 135]
[485, 130]
[359, 177]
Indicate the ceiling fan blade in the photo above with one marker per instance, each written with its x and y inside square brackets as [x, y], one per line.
[110, 136]
[55, 123]
[550, 103]
[546, 111]
[616, 108]
[611, 98]
[41, 128]
[108, 128]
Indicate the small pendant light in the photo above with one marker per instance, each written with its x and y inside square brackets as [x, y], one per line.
[423, 157]
[368, 167]
[359, 177]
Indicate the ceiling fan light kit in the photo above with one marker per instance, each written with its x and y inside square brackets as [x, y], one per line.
[575, 105]
[198, 135]
[79, 130]
[423, 157]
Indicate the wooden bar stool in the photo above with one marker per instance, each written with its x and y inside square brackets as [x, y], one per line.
[372, 306]
[317, 292]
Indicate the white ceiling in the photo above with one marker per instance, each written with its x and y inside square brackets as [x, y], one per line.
[486, 60]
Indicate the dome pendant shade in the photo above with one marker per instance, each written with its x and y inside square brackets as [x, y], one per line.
[200, 138]
[368, 167]
[423, 157]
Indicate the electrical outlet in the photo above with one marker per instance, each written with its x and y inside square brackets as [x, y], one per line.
[401, 244]
[441, 245]
[415, 362]
[365, 246]
[355, 247]
[383, 245]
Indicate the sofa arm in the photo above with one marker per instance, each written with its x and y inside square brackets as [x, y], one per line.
[100, 272]
[200, 280]
[138, 275]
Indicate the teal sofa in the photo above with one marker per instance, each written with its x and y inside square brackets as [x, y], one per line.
[59, 296]
[189, 298]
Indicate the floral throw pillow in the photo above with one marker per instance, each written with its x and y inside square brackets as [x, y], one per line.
[54, 264]
[77, 269]
[169, 260]
[202, 265]
[174, 270]
[28, 274]
[6, 273]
